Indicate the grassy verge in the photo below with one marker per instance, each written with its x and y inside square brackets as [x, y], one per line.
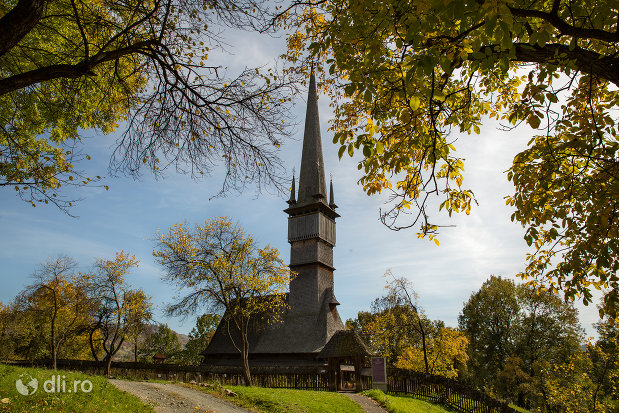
[519, 409]
[265, 400]
[103, 396]
[404, 404]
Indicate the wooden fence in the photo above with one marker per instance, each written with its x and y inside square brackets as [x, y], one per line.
[437, 389]
[300, 377]
[441, 390]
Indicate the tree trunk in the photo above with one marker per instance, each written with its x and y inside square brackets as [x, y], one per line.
[109, 354]
[92, 346]
[135, 350]
[108, 366]
[53, 345]
[18, 22]
[423, 343]
[54, 356]
[245, 360]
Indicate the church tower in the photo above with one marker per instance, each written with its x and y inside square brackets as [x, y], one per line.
[311, 318]
[311, 234]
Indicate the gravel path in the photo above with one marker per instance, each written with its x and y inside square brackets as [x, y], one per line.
[369, 405]
[170, 398]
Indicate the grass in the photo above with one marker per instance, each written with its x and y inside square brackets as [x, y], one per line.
[404, 404]
[519, 409]
[266, 400]
[103, 396]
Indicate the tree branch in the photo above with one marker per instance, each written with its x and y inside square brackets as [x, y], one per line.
[565, 28]
[69, 71]
[18, 22]
[605, 67]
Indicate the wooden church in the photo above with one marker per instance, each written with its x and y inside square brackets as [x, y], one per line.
[311, 318]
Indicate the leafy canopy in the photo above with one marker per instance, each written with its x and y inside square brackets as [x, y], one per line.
[515, 331]
[446, 354]
[162, 341]
[407, 79]
[218, 266]
[121, 310]
[70, 66]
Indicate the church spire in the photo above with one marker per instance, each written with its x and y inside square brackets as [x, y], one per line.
[312, 185]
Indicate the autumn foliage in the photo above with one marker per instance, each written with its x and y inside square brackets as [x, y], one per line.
[408, 80]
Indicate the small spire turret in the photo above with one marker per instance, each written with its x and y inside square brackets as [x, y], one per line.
[331, 196]
[293, 191]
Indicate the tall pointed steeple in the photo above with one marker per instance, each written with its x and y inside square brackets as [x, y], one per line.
[311, 234]
[312, 317]
[312, 185]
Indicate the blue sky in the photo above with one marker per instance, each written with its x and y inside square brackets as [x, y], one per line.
[132, 211]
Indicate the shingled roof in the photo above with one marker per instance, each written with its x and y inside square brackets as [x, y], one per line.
[345, 343]
[296, 334]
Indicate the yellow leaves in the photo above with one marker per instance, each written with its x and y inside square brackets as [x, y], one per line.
[415, 103]
[220, 259]
[445, 349]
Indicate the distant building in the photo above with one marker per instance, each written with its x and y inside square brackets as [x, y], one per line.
[159, 358]
[312, 318]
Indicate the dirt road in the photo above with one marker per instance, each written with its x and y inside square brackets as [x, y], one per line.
[171, 398]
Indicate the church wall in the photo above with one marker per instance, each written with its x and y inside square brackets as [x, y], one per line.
[307, 290]
[304, 290]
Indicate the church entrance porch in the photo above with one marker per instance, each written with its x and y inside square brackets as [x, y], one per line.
[348, 361]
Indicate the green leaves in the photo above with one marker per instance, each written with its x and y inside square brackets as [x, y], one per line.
[433, 69]
[534, 121]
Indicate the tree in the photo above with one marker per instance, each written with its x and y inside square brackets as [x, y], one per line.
[604, 356]
[6, 314]
[25, 338]
[587, 379]
[489, 320]
[119, 306]
[59, 300]
[137, 319]
[362, 325]
[199, 338]
[513, 383]
[396, 322]
[515, 332]
[403, 77]
[224, 270]
[446, 354]
[72, 65]
[163, 340]
[548, 328]
[573, 386]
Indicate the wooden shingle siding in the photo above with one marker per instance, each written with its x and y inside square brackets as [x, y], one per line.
[311, 226]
